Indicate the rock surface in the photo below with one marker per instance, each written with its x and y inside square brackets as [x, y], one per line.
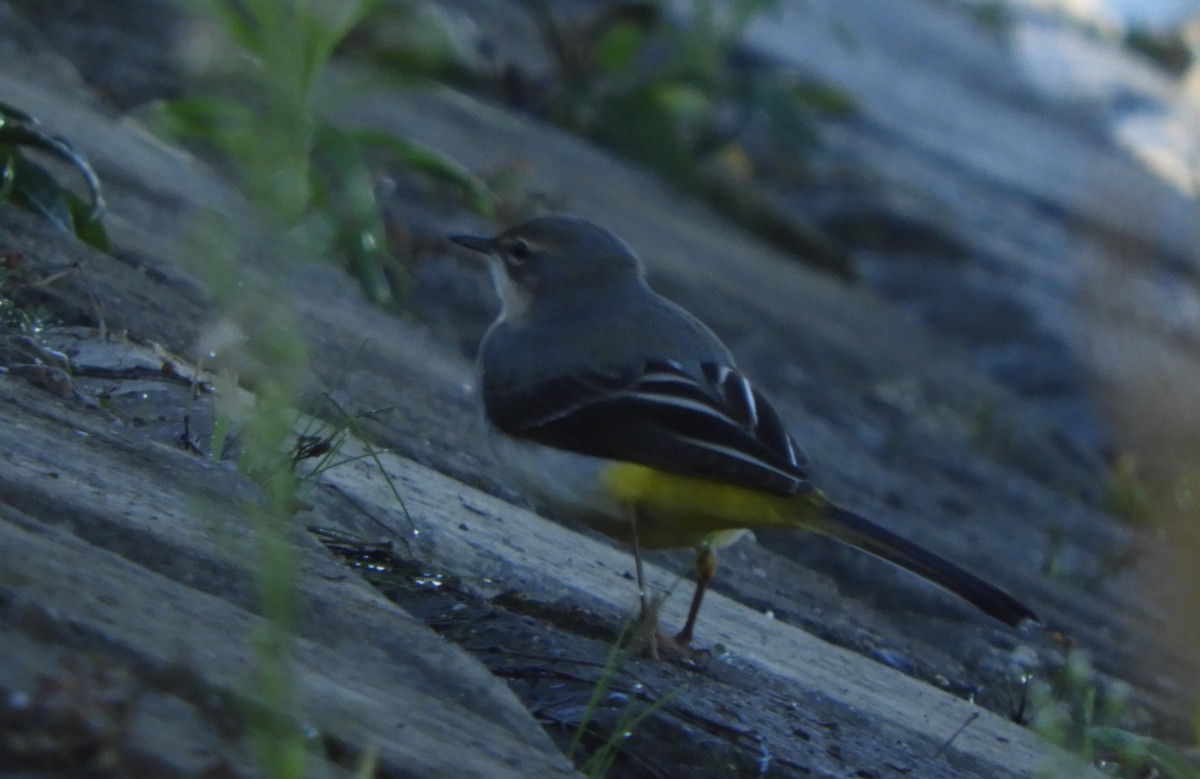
[125, 552]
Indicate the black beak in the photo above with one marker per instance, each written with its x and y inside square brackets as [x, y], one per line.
[473, 242]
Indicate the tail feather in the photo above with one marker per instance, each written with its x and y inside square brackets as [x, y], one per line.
[850, 528]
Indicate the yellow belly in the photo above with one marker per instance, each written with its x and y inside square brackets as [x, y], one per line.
[673, 510]
[676, 510]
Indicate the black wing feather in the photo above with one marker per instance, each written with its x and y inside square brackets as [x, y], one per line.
[713, 425]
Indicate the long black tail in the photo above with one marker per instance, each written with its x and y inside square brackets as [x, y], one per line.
[850, 528]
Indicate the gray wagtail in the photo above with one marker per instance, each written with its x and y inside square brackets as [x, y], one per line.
[617, 407]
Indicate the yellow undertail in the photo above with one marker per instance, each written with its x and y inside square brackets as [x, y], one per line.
[676, 510]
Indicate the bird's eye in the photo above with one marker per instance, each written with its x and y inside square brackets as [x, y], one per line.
[521, 251]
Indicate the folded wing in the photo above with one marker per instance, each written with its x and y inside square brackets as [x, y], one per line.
[708, 422]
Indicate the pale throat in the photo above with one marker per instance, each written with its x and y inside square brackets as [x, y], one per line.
[515, 301]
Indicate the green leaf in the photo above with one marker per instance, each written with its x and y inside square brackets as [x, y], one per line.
[30, 134]
[433, 163]
[414, 39]
[36, 189]
[644, 125]
[32, 186]
[344, 187]
[618, 48]
[88, 229]
[685, 103]
[210, 121]
[237, 19]
[325, 25]
[1142, 752]
[822, 97]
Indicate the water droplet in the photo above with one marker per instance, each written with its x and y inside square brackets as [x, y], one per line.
[428, 580]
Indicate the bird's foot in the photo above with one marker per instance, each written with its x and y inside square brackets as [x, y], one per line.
[652, 641]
